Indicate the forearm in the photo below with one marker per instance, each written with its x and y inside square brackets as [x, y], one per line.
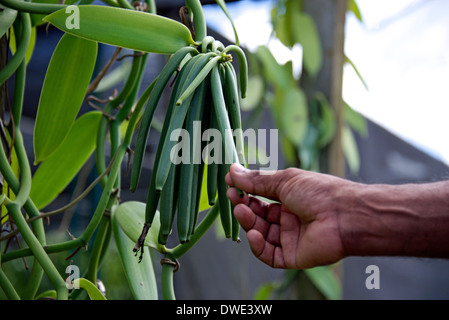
[387, 220]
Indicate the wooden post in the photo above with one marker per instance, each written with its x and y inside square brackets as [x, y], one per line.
[329, 17]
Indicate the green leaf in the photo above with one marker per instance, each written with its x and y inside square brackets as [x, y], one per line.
[349, 61]
[293, 115]
[283, 30]
[49, 294]
[63, 91]
[130, 29]
[204, 199]
[354, 8]
[309, 151]
[55, 173]
[355, 120]
[92, 290]
[30, 49]
[306, 34]
[131, 218]
[7, 17]
[141, 277]
[272, 71]
[326, 281]
[328, 122]
[265, 291]
[223, 7]
[350, 149]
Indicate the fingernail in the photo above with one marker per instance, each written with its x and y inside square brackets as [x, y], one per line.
[238, 168]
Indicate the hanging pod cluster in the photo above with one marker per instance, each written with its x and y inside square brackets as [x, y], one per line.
[205, 92]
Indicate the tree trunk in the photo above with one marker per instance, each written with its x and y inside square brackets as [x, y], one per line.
[329, 17]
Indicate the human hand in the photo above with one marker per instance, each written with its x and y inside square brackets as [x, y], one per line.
[300, 230]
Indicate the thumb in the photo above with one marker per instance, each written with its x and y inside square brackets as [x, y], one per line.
[268, 184]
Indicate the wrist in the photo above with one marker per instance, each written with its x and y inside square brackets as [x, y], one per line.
[388, 220]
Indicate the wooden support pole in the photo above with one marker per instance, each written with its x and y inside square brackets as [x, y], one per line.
[329, 17]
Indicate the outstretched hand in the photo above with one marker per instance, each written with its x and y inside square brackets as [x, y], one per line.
[300, 228]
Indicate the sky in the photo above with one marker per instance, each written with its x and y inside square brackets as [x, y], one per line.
[401, 50]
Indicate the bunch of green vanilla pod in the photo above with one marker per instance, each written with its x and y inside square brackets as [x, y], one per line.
[205, 92]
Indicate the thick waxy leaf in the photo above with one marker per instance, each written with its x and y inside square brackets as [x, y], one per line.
[293, 115]
[350, 149]
[328, 121]
[131, 218]
[306, 34]
[141, 277]
[223, 7]
[326, 281]
[131, 29]
[349, 61]
[355, 120]
[280, 76]
[65, 84]
[93, 292]
[354, 8]
[7, 17]
[55, 173]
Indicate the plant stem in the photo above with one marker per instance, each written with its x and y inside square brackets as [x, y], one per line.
[7, 287]
[151, 6]
[203, 226]
[198, 19]
[38, 251]
[36, 274]
[105, 196]
[97, 249]
[129, 102]
[82, 240]
[114, 103]
[14, 210]
[168, 292]
[125, 4]
[32, 7]
[24, 24]
[112, 3]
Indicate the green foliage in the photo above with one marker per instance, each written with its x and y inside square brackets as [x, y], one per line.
[56, 172]
[68, 76]
[7, 17]
[130, 216]
[306, 121]
[64, 141]
[141, 277]
[99, 23]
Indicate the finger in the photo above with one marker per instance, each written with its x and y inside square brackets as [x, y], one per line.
[249, 220]
[269, 211]
[234, 196]
[228, 180]
[265, 251]
[256, 182]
